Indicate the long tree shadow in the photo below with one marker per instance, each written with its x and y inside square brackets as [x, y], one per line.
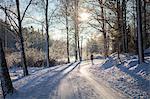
[143, 83]
[49, 69]
[41, 87]
[108, 64]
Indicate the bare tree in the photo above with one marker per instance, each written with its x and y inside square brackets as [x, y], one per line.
[67, 30]
[119, 27]
[77, 47]
[23, 57]
[146, 23]
[66, 8]
[48, 18]
[139, 32]
[101, 3]
[15, 20]
[100, 17]
[47, 35]
[124, 27]
[6, 83]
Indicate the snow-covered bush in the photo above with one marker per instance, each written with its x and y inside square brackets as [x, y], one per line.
[34, 57]
[13, 59]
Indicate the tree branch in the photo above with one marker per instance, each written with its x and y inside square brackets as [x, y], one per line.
[12, 19]
[12, 25]
[1, 7]
[96, 27]
[26, 10]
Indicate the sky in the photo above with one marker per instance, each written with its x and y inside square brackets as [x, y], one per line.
[56, 31]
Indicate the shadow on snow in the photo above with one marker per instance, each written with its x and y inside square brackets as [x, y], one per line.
[144, 84]
[42, 86]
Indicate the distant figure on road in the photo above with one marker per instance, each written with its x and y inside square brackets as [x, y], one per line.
[92, 59]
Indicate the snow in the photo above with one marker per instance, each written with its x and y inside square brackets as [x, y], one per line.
[71, 81]
[81, 84]
[16, 73]
[131, 78]
[118, 79]
[100, 86]
[39, 85]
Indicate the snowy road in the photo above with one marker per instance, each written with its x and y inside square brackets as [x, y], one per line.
[81, 84]
[71, 81]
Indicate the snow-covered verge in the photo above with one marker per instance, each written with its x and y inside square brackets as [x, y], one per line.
[16, 73]
[126, 75]
[40, 84]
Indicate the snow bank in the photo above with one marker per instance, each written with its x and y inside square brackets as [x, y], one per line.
[131, 78]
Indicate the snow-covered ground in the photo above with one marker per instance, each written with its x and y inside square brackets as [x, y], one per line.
[107, 79]
[71, 81]
[81, 84]
[126, 76]
[16, 73]
[40, 84]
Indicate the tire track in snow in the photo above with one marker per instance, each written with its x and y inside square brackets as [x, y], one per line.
[74, 86]
[101, 88]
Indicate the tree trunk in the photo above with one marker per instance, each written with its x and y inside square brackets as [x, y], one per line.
[79, 52]
[104, 34]
[81, 48]
[23, 57]
[76, 30]
[103, 28]
[6, 83]
[139, 32]
[67, 30]
[47, 35]
[76, 52]
[118, 51]
[134, 24]
[119, 27]
[125, 35]
[145, 34]
[5, 30]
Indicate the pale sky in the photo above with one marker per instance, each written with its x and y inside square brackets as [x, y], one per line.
[54, 30]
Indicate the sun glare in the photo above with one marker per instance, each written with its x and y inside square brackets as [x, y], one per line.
[84, 16]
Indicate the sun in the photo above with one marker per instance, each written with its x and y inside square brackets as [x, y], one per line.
[84, 16]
